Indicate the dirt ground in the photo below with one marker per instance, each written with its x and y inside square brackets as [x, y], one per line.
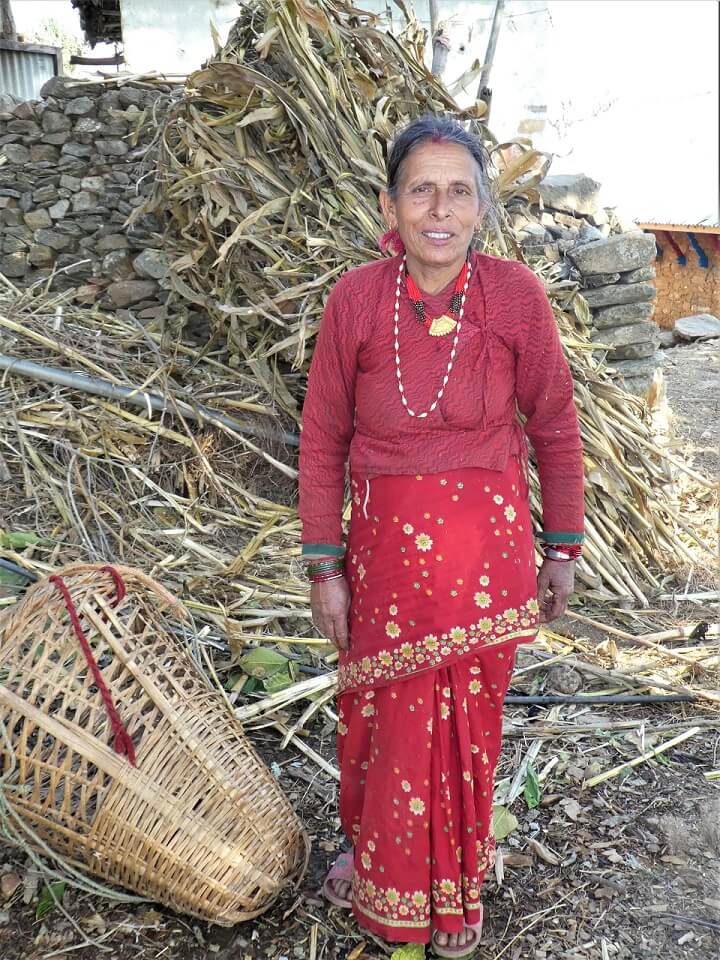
[627, 869]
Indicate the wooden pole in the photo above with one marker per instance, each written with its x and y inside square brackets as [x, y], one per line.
[490, 53]
[8, 30]
[434, 16]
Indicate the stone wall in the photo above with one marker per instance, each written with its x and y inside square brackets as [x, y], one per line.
[612, 262]
[692, 289]
[71, 172]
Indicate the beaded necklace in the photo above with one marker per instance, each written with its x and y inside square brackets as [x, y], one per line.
[461, 293]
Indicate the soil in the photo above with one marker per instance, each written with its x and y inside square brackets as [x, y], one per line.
[627, 869]
[692, 377]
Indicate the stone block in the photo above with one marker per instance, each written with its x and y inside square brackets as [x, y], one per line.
[25, 128]
[113, 241]
[639, 275]
[64, 88]
[46, 194]
[84, 200]
[574, 193]
[601, 280]
[629, 333]
[12, 244]
[14, 266]
[15, 153]
[152, 264]
[117, 265]
[57, 139]
[111, 148]
[43, 153]
[37, 219]
[79, 107]
[640, 368]
[58, 210]
[701, 326]
[93, 184]
[622, 315]
[25, 110]
[52, 238]
[82, 151]
[617, 254]
[54, 122]
[633, 351]
[124, 293]
[70, 183]
[41, 255]
[620, 293]
[589, 234]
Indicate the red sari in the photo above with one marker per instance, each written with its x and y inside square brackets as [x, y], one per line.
[442, 573]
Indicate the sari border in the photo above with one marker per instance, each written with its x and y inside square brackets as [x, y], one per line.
[431, 651]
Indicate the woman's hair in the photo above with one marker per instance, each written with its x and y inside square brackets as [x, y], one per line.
[432, 128]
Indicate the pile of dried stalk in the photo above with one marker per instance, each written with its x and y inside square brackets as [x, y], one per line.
[269, 198]
[268, 172]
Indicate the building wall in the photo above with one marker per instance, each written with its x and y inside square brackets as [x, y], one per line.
[173, 37]
[683, 291]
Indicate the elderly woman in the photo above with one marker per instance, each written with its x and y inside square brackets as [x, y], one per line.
[425, 363]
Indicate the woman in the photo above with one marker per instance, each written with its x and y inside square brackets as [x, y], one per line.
[422, 363]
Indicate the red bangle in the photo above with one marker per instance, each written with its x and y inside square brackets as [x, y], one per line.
[324, 577]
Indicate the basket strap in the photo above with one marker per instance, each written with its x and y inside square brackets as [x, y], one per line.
[122, 742]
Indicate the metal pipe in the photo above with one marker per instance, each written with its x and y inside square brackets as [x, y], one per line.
[140, 398]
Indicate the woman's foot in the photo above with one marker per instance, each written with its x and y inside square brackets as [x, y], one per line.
[457, 944]
[338, 883]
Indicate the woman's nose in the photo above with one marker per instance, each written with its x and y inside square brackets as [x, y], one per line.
[441, 204]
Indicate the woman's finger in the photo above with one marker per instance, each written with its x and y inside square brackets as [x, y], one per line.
[340, 629]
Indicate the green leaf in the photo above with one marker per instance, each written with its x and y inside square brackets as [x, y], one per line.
[18, 541]
[504, 823]
[409, 951]
[47, 901]
[268, 669]
[263, 662]
[532, 792]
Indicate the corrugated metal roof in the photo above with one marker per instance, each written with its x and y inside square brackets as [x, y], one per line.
[24, 71]
[678, 227]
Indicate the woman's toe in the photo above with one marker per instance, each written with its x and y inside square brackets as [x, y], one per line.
[441, 938]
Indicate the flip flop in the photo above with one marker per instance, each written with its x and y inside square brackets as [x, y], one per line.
[466, 950]
[342, 869]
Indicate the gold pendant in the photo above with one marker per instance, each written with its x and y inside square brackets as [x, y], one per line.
[441, 326]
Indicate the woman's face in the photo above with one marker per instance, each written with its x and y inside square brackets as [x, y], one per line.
[437, 207]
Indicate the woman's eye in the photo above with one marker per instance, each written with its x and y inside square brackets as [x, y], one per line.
[423, 188]
[462, 191]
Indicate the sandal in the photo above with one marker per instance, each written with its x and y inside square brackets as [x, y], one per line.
[466, 950]
[342, 869]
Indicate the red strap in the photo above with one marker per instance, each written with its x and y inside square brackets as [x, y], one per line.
[122, 742]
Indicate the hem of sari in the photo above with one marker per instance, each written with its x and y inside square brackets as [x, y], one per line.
[419, 931]
[374, 675]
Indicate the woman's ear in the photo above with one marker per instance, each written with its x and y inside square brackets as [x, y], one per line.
[388, 208]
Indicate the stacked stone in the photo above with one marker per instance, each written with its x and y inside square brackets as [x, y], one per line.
[618, 274]
[611, 260]
[70, 176]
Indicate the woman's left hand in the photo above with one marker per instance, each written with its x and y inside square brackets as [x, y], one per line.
[555, 583]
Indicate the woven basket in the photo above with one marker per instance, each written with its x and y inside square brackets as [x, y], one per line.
[199, 824]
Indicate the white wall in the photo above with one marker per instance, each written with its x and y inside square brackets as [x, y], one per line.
[172, 36]
[628, 90]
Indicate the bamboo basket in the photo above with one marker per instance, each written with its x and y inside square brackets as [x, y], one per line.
[199, 824]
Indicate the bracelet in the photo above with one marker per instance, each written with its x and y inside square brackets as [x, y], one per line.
[331, 565]
[561, 552]
[323, 578]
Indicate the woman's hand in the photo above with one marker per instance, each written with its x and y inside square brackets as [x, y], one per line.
[555, 583]
[330, 605]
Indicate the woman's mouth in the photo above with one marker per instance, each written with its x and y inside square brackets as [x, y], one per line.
[438, 237]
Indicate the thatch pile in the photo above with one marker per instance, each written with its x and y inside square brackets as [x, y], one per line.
[267, 176]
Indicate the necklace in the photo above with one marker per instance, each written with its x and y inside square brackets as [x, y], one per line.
[466, 272]
[445, 324]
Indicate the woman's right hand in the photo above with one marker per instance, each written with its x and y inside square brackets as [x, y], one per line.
[330, 605]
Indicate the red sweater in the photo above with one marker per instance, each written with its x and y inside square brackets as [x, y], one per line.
[509, 357]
